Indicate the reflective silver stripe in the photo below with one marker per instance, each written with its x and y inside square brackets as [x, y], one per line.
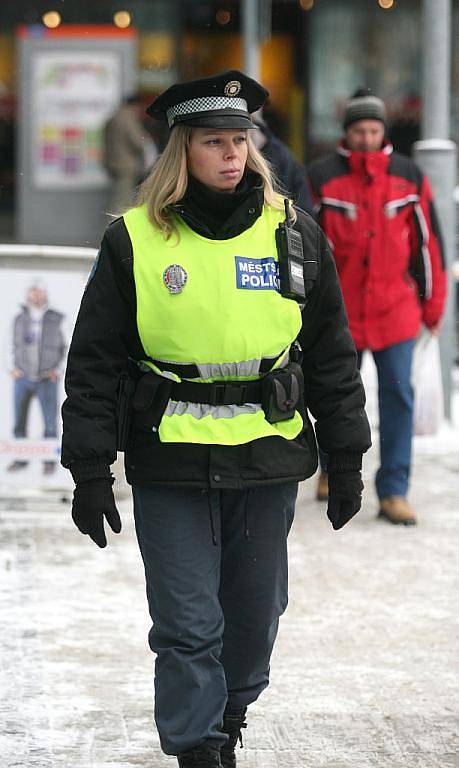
[244, 368]
[200, 410]
[425, 250]
[349, 208]
[226, 370]
[392, 207]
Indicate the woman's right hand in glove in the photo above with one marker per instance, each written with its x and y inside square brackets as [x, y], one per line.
[344, 496]
[92, 501]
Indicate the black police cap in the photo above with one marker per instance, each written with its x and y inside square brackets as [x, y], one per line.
[222, 101]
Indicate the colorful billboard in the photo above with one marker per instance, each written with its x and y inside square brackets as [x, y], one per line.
[74, 93]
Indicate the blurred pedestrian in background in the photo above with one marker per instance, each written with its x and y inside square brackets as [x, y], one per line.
[405, 125]
[376, 209]
[187, 287]
[290, 174]
[129, 151]
[38, 350]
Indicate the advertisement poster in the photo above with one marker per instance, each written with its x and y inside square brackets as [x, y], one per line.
[74, 94]
[38, 314]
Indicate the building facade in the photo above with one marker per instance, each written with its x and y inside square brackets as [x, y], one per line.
[314, 53]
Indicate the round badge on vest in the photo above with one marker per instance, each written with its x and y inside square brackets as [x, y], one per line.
[175, 278]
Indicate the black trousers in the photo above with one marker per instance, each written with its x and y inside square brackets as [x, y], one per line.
[217, 583]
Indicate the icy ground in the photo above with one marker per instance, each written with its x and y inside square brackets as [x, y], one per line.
[365, 671]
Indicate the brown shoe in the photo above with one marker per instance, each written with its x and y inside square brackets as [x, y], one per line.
[396, 510]
[322, 487]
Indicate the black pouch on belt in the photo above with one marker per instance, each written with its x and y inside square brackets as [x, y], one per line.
[151, 397]
[282, 390]
[126, 389]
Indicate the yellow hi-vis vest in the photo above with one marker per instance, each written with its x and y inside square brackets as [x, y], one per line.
[225, 320]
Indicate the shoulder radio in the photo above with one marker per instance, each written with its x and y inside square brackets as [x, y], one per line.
[291, 259]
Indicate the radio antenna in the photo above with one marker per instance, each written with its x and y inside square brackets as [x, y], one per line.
[287, 211]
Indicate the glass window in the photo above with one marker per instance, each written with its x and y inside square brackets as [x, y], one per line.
[362, 46]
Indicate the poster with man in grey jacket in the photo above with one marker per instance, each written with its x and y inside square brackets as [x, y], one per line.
[38, 350]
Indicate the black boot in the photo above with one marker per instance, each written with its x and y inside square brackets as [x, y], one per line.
[200, 757]
[233, 723]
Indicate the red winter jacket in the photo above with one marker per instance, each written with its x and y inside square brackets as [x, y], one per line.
[377, 211]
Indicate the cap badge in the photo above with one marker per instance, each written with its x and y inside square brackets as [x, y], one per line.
[232, 88]
[175, 278]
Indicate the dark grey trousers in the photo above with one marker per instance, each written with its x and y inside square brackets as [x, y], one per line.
[216, 572]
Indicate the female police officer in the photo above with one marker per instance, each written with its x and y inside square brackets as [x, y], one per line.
[195, 292]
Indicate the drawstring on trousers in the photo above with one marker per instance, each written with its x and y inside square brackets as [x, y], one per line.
[246, 517]
[212, 524]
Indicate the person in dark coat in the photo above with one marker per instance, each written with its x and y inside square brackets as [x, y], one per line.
[290, 174]
[225, 358]
[128, 151]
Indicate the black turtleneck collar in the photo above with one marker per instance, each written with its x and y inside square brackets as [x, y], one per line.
[222, 215]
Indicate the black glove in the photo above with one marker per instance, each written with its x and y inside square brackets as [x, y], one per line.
[92, 499]
[344, 496]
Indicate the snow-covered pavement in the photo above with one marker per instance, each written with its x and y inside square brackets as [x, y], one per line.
[365, 670]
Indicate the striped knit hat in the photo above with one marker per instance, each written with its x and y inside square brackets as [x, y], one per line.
[364, 106]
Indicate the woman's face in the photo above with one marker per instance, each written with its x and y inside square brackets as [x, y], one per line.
[217, 157]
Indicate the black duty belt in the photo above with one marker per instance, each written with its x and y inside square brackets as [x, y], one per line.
[154, 391]
[217, 392]
[278, 393]
[191, 370]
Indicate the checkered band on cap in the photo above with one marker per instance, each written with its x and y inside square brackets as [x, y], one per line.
[204, 104]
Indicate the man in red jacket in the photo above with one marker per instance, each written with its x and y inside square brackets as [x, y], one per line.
[376, 209]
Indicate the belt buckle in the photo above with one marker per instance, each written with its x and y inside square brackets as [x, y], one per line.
[227, 393]
[217, 394]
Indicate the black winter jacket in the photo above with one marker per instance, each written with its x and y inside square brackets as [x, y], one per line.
[106, 336]
[291, 174]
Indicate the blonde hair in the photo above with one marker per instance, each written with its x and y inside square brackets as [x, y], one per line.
[167, 182]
